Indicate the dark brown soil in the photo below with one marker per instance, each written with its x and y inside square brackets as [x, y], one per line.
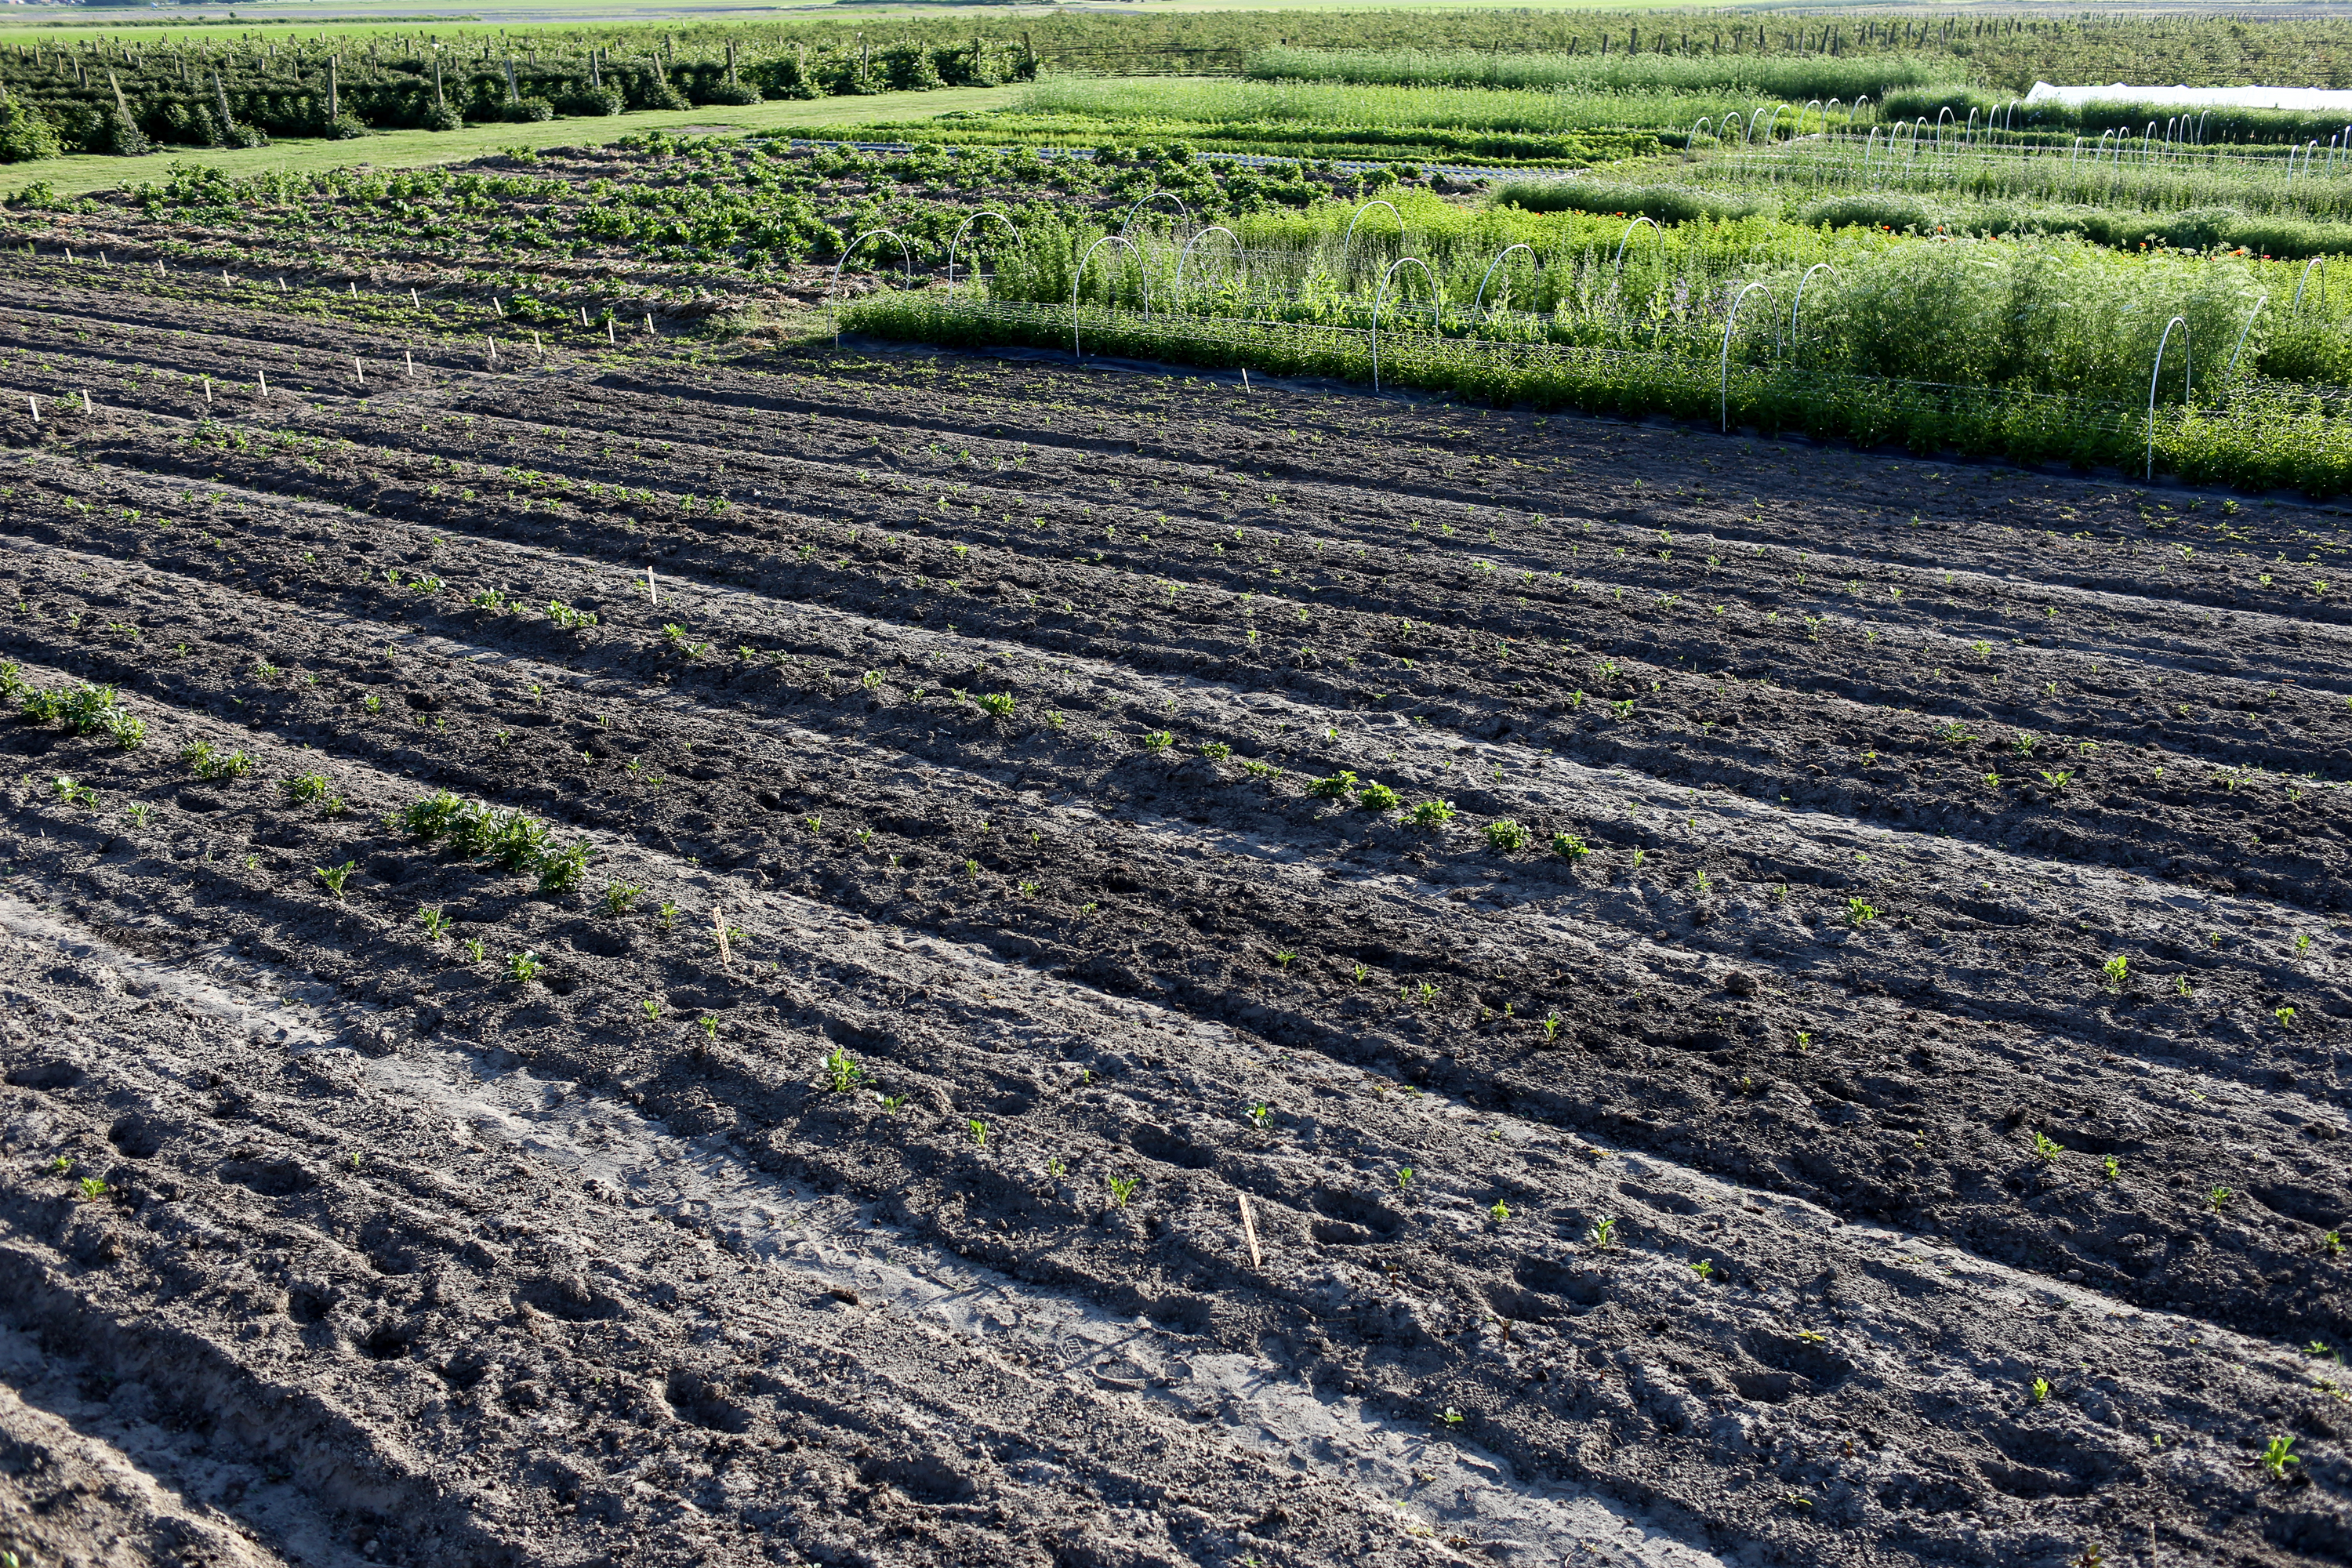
[1875, 765]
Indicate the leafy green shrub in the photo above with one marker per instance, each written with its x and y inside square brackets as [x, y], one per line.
[430, 816]
[1795, 76]
[26, 135]
[562, 870]
[1505, 834]
[591, 101]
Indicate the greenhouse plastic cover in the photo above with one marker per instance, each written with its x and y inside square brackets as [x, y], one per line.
[2235, 97]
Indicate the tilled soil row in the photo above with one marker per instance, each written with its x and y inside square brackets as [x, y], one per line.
[1483, 1020]
[1596, 995]
[1607, 1319]
[2171, 800]
[464, 1352]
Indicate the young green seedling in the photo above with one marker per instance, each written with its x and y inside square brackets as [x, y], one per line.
[842, 1074]
[335, 875]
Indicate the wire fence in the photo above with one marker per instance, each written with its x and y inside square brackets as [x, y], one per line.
[2258, 436]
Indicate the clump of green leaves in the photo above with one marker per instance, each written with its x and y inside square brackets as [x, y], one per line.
[1504, 834]
[2277, 1455]
[1121, 1189]
[84, 710]
[208, 761]
[1432, 813]
[524, 967]
[842, 1074]
[302, 789]
[335, 875]
[561, 871]
[995, 704]
[620, 898]
[1339, 787]
[1858, 914]
[1568, 847]
[431, 816]
[2116, 968]
[1378, 797]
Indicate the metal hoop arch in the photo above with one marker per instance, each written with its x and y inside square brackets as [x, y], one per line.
[1477, 305]
[958, 240]
[1187, 254]
[1347, 241]
[2186, 366]
[2320, 262]
[1799, 303]
[2231, 369]
[1618, 265]
[1436, 303]
[1731, 320]
[1129, 222]
[906, 257]
[1079, 277]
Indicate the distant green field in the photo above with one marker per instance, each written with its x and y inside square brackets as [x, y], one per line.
[415, 149]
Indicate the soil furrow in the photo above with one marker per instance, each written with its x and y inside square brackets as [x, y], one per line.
[1741, 1040]
[1964, 784]
[1006, 1074]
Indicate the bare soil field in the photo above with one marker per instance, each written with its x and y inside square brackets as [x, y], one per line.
[936, 1020]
